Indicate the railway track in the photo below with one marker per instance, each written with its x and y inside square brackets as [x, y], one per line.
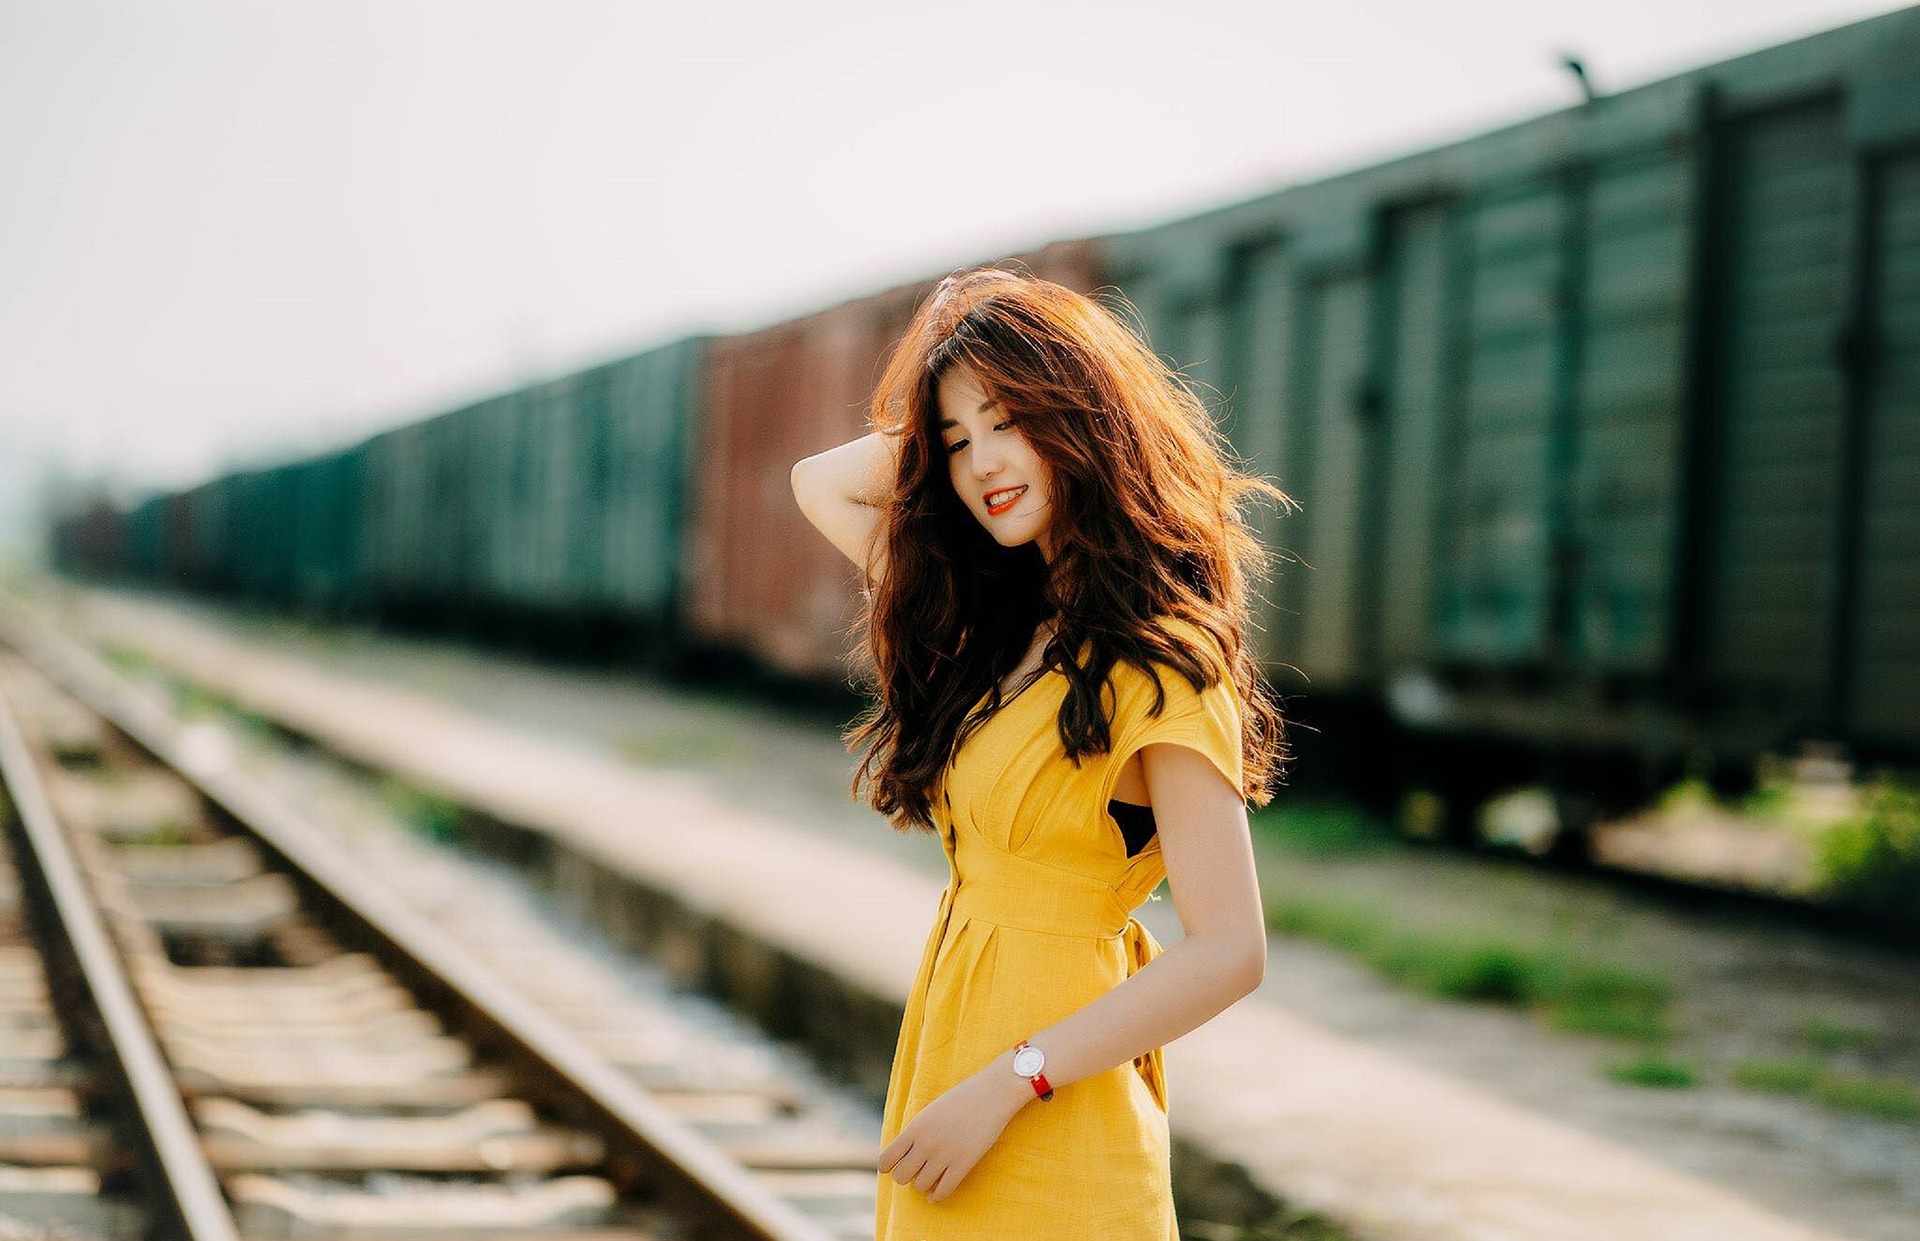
[278, 1046]
[58, 1143]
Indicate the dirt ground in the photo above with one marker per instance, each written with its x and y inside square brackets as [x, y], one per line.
[1744, 991]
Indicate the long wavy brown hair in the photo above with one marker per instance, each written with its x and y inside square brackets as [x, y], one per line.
[1146, 506]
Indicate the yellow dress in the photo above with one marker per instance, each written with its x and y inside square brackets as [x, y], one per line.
[1034, 924]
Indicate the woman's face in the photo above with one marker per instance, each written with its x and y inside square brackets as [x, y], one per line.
[989, 460]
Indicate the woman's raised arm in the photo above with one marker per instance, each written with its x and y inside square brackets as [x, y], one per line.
[841, 491]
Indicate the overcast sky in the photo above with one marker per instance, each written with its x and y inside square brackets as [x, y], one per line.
[235, 231]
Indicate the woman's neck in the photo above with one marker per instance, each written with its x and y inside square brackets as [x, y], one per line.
[1030, 661]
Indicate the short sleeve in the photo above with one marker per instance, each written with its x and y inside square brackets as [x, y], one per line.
[1206, 720]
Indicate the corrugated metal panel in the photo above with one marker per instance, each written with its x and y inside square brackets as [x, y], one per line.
[1221, 312]
[92, 539]
[446, 555]
[178, 554]
[531, 565]
[411, 555]
[210, 513]
[1333, 375]
[398, 506]
[1886, 669]
[1626, 486]
[1414, 285]
[557, 516]
[590, 414]
[249, 550]
[146, 535]
[1496, 563]
[755, 577]
[263, 533]
[1779, 421]
[329, 499]
[498, 478]
[387, 531]
[651, 405]
[1261, 433]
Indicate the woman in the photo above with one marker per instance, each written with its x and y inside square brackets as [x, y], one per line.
[1057, 617]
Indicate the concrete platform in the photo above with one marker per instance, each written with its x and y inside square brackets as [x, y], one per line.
[820, 939]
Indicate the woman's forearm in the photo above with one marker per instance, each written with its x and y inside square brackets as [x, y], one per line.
[1180, 989]
[858, 472]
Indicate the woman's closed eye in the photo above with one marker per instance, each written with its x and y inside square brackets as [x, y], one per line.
[957, 445]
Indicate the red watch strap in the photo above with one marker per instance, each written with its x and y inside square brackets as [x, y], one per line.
[1041, 1086]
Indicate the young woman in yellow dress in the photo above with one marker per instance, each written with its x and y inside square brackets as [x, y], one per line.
[1057, 619]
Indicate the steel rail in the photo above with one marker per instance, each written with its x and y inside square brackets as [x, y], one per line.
[188, 1193]
[661, 1150]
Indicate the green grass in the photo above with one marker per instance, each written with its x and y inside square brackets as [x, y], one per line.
[1570, 991]
[1873, 859]
[684, 745]
[198, 703]
[1824, 1035]
[1778, 1076]
[1657, 1071]
[1769, 802]
[170, 832]
[1614, 1006]
[127, 660]
[1889, 1098]
[429, 814]
[1867, 1094]
[1690, 792]
[1323, 828]
[1563, 984]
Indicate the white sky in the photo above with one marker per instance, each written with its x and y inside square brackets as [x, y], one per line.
[233, 231]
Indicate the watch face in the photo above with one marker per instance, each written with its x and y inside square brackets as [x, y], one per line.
[1027, 1061]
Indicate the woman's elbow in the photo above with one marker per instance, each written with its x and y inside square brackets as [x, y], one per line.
[799, 478]
[1250, 964]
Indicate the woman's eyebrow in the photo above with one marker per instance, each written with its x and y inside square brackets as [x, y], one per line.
[948, 422]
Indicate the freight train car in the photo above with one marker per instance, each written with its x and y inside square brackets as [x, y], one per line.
[205, 561]
[1606, 426]
[326, 524]
[557, 505]
[598, 465]
[89, 538]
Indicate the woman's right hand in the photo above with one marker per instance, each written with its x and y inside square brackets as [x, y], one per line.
[842, 491]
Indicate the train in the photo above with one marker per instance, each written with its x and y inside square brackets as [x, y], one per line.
[1604, 429]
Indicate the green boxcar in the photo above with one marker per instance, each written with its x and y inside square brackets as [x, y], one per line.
[328, 494]
[1619, 400]
[263, 534]
[579, 486]
[631, 437]
[1779, 427]
[388, 534]
[1884, 664]
[501, 475]
[446, 505]
[532, 572]
[145, 551]
[210, 514]
[415, 552]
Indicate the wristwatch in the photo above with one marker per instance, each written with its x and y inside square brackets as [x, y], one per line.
[1028, 1060]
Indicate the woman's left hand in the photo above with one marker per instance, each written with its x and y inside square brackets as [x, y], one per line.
[938, 1147]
